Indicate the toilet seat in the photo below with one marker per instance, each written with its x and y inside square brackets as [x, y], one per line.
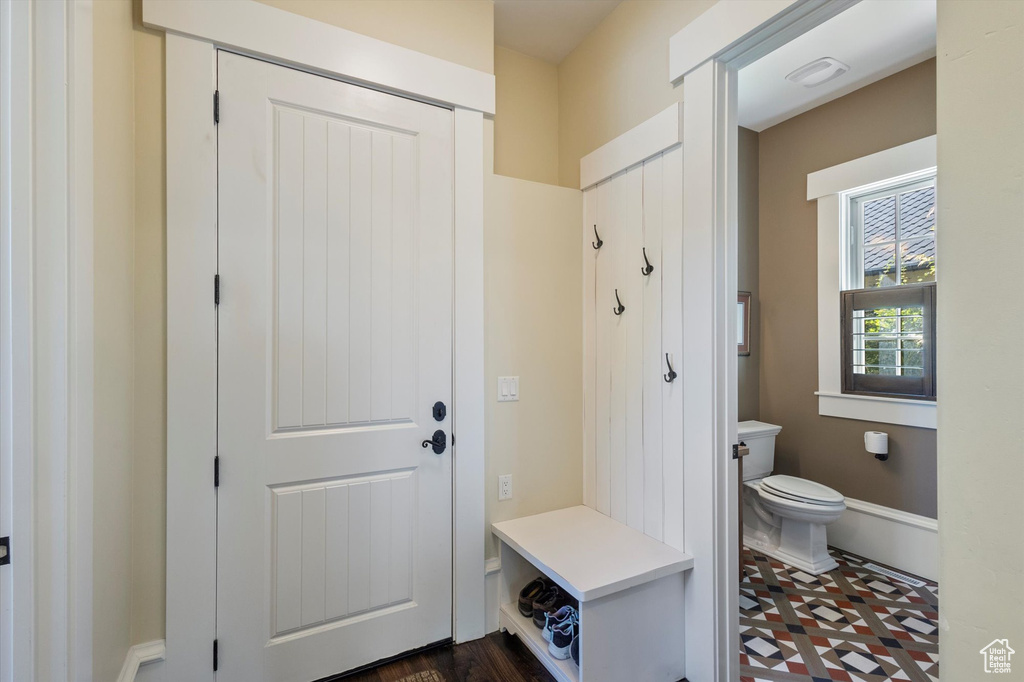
[802, 491]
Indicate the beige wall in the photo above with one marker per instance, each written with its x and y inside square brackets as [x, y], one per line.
[748, 367]
[981, 376]
[460, 31]
[829, 450]
[533, 330]
[526, 122]
[113, 150]
[617, 77]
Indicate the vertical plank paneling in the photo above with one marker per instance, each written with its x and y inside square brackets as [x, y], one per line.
[400, 586]
[602, 340]
[358, 547]
[672, 341]
[313, 555]
[616, 242]
[360, 296]
[380, 278]
[590, 256]
[314, 272]
[337, 552]
[337, 272]
[633, 321]
[402, 352]
[288, 555]
[380, 540]
[289, 166]
[653, 360]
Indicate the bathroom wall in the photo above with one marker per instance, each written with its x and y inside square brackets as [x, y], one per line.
[526, 120]
[748, 367]
[981, 415]
[890, 112]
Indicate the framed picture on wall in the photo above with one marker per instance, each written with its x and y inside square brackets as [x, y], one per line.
[743, 322]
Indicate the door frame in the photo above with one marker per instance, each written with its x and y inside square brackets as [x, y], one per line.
[705, 57]
[195, 31]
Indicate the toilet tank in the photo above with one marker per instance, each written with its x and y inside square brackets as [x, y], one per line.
[760, 438]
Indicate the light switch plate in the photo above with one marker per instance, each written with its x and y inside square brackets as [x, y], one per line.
[508, 389]
[505, 487]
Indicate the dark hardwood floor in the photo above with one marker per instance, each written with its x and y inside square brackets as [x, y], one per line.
[498, 657]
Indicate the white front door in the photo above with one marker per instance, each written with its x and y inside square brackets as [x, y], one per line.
[335, 341]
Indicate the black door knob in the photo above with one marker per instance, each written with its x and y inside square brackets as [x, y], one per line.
[440, 442]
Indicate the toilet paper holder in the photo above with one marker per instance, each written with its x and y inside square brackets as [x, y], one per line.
[877, 442]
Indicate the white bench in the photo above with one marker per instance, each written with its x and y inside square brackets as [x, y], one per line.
[630, 589]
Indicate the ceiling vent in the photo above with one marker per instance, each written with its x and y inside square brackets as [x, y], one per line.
[817, 72]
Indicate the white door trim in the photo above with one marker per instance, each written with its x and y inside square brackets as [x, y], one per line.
[191, 319]
[46, 339]
[289, 39]
[706, 55]
[658, 133]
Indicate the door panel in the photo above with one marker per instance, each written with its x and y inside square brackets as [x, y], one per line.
[335, 258]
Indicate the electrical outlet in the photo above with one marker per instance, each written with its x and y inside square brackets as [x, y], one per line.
[505, 487]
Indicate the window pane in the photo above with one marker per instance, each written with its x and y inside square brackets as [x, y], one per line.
[917, 260]
[879, 266]
[880, 221]
[917, 213]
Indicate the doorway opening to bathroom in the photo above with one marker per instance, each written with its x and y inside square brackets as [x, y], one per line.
[836, 279]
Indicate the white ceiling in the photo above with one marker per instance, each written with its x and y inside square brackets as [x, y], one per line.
[547, 29]
[876, 38]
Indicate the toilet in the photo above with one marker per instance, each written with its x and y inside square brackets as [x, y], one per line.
[784, 517]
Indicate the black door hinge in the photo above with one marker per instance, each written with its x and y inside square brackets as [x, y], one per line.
[5, 550]
[216, 106]
[216, 471]
[216, 289]
[214, 655]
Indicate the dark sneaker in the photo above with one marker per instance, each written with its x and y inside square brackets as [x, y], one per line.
[562, 636]
[548, 602]
[574, 650]
[529, 594]
[559, 616]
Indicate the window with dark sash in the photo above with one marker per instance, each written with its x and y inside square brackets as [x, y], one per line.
[888, 301]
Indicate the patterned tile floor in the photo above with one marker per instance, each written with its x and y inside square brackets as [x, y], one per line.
[847, 625]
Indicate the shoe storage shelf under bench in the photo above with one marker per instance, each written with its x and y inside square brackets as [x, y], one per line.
[629, 586]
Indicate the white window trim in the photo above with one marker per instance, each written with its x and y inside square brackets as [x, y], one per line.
[830, 187]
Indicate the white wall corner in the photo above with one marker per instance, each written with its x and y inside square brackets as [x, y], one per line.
[139, 655]
[905, 541]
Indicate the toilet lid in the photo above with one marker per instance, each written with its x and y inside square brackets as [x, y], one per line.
[802, 489]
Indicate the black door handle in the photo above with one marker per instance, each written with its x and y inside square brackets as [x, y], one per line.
[440, 442]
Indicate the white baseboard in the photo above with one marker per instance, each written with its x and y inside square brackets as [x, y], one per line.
[138, 655]
[492, 594]
[902, 540]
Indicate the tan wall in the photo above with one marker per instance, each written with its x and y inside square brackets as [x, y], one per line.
[534, 330]
[460, 31]
[893, 111]
[748, 367]
[981, 376]
[526, 122]
[617, 77]
[113, 151]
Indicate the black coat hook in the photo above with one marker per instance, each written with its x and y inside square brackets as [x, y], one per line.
[671, 376]
[598, 244]
[619, 309]
[647, 269]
